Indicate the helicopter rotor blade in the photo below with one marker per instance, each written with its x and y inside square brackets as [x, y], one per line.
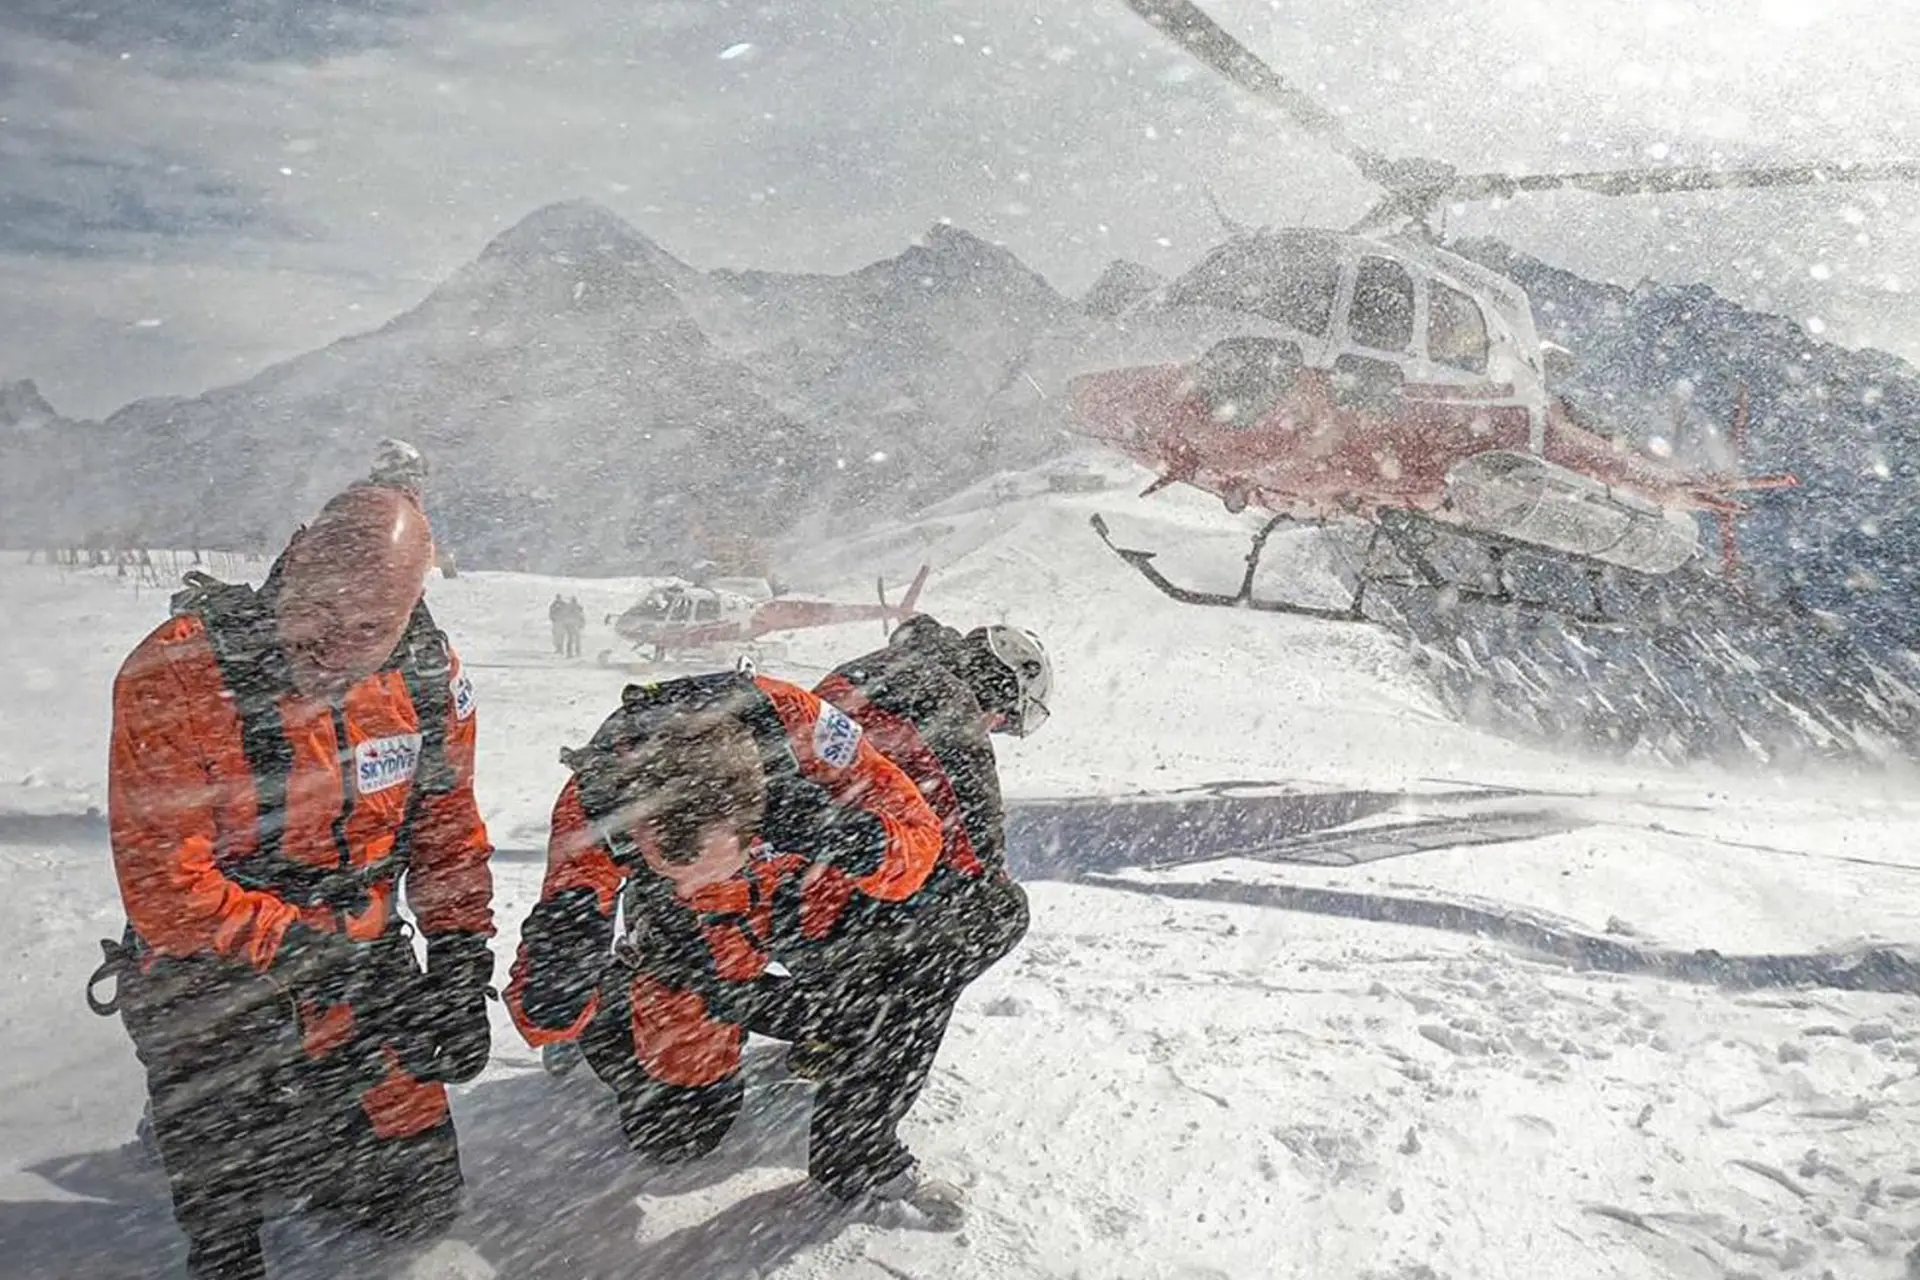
[1415, 188]
[1187, 25]
[1634, 182]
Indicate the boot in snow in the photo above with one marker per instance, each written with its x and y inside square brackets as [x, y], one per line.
[915, 1199]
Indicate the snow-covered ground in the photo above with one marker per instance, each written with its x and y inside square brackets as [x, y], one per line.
[1174, 1076]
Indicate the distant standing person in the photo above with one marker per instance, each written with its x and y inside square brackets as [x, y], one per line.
[576, 625]
[557, 615]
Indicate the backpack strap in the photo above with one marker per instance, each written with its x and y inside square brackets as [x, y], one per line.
[425, 662]
[238, 622]
[425, 659]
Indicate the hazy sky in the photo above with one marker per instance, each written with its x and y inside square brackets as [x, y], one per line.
[192, 189]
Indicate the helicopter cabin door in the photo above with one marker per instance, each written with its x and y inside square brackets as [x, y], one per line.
[1413, 362]
[1468, 368]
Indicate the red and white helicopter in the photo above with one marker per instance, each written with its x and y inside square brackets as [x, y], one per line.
[1371, 375]
[675, 618]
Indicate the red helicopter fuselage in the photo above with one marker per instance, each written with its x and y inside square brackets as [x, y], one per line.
[1306, 420]
[676, 618]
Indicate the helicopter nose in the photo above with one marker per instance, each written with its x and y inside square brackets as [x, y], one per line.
[1105, 407]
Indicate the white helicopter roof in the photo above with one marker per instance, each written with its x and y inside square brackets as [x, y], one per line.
[1493, 289]
[1499, 294]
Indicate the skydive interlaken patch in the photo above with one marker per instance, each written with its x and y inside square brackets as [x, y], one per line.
[380, 763]
[462, 690]
[836, 738]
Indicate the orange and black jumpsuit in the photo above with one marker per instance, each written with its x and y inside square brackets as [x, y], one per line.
[907, 964]
[247, 821]
[663, 1023]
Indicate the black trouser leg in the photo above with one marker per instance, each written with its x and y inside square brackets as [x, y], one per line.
[228, 1253]
[875, 1078]
[404, 1188]
[217, 1176]
[662, 1121]
[216, 1043]
[947, 944]
[882, 1000]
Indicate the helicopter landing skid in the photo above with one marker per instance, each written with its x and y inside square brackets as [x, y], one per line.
[1401, 533]
[1142, 562]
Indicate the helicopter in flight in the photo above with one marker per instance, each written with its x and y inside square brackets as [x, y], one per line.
[675, 618]
[1372, 375]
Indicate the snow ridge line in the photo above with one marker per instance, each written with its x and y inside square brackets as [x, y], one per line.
[28, 828]
[1875, 969]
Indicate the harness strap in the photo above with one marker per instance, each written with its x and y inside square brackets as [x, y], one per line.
[239, 627]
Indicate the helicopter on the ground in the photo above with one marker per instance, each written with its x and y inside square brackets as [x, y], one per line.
[1372, 375]
[678, 617]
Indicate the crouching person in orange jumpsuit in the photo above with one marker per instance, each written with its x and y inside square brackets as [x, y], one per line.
[280, 758]
[727, 817]
[928, 701]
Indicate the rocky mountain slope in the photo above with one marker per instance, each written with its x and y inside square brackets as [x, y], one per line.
[591, 403]
[587, 402]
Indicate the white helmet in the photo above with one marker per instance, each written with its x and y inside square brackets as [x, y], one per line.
[1020, 652]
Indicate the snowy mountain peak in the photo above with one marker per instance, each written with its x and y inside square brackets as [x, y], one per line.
[949, 255]
[583, 240]
[22, 407]
[571, 257]
[1122, 284]
[581, 226]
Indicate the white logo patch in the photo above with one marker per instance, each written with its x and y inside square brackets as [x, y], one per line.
[462, 689]
[836, 738]
[385, 762]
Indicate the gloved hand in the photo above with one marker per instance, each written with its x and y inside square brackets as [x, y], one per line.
[455, 1038]
[327, 968]
[802, 818]
[566, 942]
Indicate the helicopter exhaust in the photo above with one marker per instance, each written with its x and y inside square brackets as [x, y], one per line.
[1527, 499]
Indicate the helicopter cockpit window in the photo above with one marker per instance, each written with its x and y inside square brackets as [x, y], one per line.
[1382, 312]
[1456, 331]
[1265, 278]
[706, 610]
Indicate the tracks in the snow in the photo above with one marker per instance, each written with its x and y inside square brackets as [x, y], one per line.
[1882, 969]
[1120, 843]
[1054, 839]
[1126, 843]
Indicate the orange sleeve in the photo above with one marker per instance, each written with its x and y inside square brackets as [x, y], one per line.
[169, 712]
[552, 992]
[836, 755]
[576, 857]
[450, 880]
